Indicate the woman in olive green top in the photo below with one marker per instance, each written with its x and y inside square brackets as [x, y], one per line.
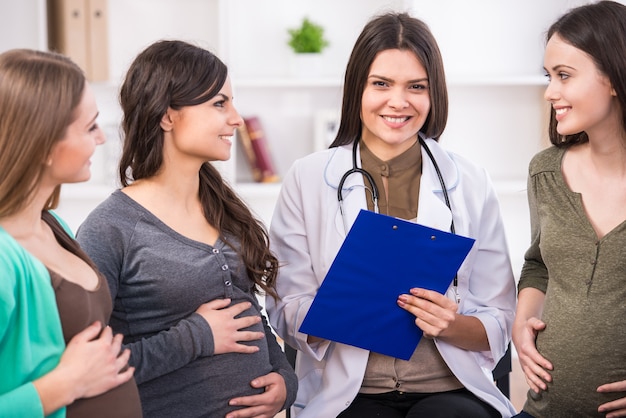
[571, 315]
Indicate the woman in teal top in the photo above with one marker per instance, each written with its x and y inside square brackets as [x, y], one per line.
[31, 342]
[47, 135]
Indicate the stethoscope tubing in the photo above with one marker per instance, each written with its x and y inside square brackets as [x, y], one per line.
[374, 189]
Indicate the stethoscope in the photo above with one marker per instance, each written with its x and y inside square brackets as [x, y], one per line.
[373, 189]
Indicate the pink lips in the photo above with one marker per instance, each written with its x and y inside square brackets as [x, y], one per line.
[560, 112]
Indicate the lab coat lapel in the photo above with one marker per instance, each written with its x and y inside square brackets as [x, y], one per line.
[432, 210]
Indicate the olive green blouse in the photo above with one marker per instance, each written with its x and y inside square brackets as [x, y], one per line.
[584, 279]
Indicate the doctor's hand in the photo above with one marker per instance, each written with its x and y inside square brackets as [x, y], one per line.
[437, 317]
[266, 404]
[616, 408]
[227, 329]
[434, 313]
[534, 365]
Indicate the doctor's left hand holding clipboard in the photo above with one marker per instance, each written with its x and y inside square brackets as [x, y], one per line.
[381, 258]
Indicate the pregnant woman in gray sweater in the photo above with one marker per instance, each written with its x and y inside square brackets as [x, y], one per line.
[183, 256]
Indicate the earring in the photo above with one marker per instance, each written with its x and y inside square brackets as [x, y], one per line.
[49, 162]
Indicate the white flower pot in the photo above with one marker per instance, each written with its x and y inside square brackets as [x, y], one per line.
[305, 65]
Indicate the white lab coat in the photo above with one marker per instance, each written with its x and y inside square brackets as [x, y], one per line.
[307, 231]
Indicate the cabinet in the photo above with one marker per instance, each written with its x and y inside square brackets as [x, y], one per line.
[493, 52]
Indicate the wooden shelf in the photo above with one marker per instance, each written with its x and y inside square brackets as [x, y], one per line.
[497, 80]
[287, 82]
[453, 80]
[258, 190]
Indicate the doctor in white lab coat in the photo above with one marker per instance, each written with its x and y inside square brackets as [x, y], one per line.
[394, 95]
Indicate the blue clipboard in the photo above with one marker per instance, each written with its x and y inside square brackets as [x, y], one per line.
[381, 258]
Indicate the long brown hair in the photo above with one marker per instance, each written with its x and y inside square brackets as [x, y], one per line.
[177, 74]
[392, 31]
[39, 94]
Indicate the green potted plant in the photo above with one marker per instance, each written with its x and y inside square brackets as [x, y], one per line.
[307, 42]
[308, 38]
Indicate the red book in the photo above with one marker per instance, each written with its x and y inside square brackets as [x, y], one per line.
[257, 152]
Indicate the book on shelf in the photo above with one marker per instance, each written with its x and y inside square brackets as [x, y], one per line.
[256, 147]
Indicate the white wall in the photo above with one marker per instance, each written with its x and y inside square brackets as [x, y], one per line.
[135, 24]
[22, 24]
[491, 37]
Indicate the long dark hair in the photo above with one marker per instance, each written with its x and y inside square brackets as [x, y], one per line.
[392, 31]
[177, 74]
[599, 30]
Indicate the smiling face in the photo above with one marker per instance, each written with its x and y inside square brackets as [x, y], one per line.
[395, 103]
[203, 132]
[581, 96]
[69, 159]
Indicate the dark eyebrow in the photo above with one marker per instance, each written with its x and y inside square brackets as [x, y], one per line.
[558, 66]
[417, 80]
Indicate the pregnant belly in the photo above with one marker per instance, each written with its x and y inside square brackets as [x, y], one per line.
[583, 360]
[204, 386]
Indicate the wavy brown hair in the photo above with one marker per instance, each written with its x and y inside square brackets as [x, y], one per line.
[599, 30]
[177, 74]
[39, 94]
[384, 32]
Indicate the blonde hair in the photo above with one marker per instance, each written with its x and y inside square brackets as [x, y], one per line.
[39, 94]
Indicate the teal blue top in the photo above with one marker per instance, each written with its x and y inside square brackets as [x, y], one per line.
[31, 337]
